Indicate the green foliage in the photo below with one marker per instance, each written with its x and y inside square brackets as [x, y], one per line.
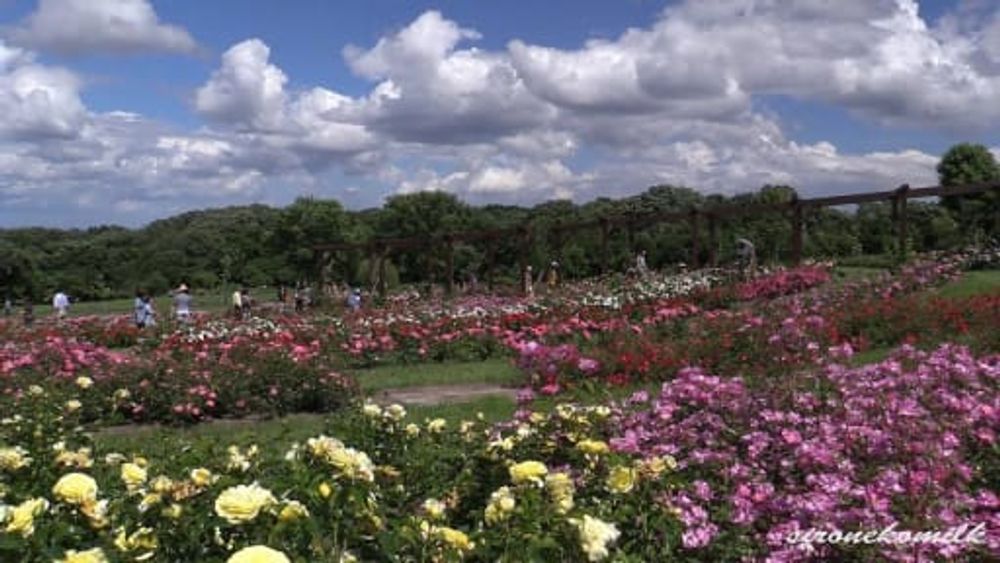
[259, 245]
[967, 163]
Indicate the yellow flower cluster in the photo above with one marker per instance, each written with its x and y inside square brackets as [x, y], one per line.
[76, 489]
[21, 519]
[434, 509]
[95, 555]
[243, 503]
[12, 459]
[561, 489]
[595, 536]
[450, 537]
[141, 540]
[501, 505]
[593, 447]
[240, 460]
[621, 480]
[258, 554]
[528, 472]
[79, 459]
[349, 462]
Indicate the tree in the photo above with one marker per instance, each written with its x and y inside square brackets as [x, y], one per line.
[967, 163]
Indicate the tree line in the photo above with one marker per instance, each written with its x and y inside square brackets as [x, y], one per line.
[259, 245]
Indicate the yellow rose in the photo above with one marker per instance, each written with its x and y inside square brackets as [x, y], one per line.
[528, 472]
[95, 555]
[173, 511]
[434, 509]
[133, 475]
[292, 511]
[324, 490]
[142, 539]
[395, 412]
[84, 382]
[149, 501]
[97, 512]
[500, 506]
[595, 536]
[436, 426]
[22, 517]
[12, 459]
[258, 554]
[75, 488]
[412, 429]
[561, 488]
[243, 503]
[202, 477]
[621, 480]
[73, 405]
[454, 538]
[592, 447]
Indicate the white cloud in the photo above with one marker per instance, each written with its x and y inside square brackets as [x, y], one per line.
[675, 102]
[247, 90]
[432, 92]
[100, 26]
[37, 101]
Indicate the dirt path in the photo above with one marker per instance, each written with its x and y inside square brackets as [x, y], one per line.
[440, 394]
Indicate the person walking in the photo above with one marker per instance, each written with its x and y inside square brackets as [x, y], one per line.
[139, 309]
[552, 276]
[182, 304]
[747, 257]
[640, 264]
[354, 300]
[237, 304]
[245, 303]
[60, 302]
[8, 306]
[150, 309]
[528, 282]
[29, 312]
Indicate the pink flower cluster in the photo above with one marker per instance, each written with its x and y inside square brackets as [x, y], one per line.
[910, 441]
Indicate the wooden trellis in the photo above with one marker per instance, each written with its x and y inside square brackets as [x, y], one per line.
[525, 234]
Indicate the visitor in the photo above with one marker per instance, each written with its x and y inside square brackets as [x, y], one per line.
[182, 304]
[528, 282]
[300, 299]
[354, 300]
[8, 306]
[552, 276]
[746, 257]
[150, 308]
[237, 304]
[139, 310]
[29, 312]
[60, 302]
[245, 303]
[640, 264]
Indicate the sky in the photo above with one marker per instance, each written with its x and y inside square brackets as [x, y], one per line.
[126, 111]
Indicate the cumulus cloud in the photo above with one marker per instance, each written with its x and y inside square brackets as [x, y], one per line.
[100, 26]
[678, 102]
[430, 91]
[37, 101]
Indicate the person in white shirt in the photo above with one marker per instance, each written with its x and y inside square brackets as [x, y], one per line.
[61, 304]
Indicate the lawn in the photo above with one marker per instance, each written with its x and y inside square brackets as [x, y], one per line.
[496, 371]
[977, 282]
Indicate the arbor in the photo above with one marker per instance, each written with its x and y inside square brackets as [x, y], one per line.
[967, 163]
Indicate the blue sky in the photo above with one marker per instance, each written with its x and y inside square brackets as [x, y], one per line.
[131, 110]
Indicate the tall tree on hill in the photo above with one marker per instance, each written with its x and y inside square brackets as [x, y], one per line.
[967, 163]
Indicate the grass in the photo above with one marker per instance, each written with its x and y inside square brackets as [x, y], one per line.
[851, 273]
[978, 282]
[496, 371]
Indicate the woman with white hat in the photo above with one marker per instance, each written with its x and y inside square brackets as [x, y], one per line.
[182, 303]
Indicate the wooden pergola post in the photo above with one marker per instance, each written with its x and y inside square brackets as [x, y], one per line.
[695, 238]
[524, 250]
[797, 224]
[491, 253]
[605, 232]
[450, 264]
[713, 240]
[372, 264]
[902, 224]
